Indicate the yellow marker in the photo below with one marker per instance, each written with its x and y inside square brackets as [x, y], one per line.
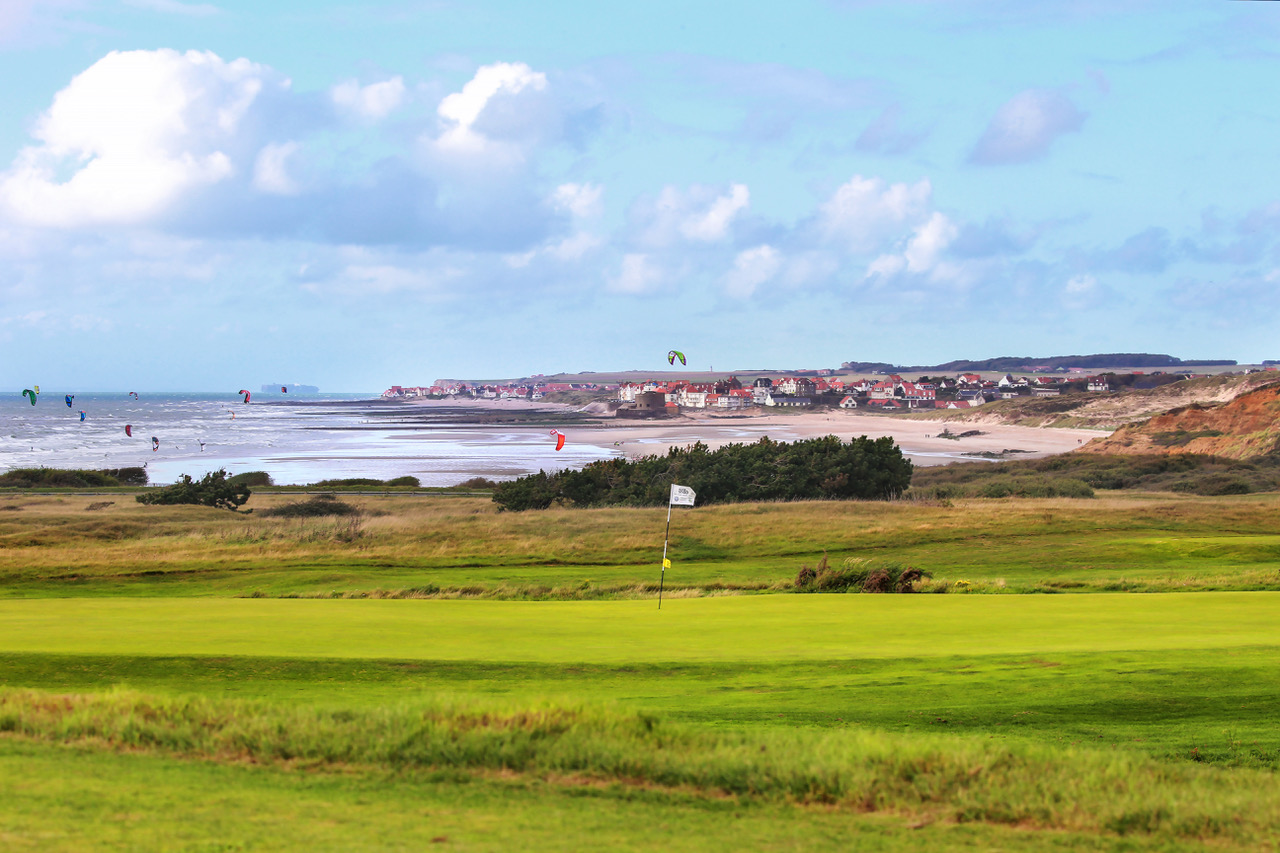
[666, 564]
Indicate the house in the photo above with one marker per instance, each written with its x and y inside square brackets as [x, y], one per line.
[1099, 383]
[1046, 392]
[796, 386]
[849, 402]
[786, 402]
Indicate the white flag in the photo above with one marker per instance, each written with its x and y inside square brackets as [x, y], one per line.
[681, 496]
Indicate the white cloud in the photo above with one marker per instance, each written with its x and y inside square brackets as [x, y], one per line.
[928, 242]
[752, 268]
[1080, 291]
[130, 135]
[700, 214]
[574, 247]
[375, 101]
[581, 200]
[1025, 126]
[714, 223]
[462, 110]
[271, 171]
[638, 275]
[922, 255]
[865, 212]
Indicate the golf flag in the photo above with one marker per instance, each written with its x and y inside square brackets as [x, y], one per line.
[681, 496]
[666, 564]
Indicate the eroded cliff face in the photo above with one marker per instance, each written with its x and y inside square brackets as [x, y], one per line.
[1245, 427]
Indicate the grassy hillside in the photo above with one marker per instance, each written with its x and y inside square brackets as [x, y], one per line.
[1107, 411]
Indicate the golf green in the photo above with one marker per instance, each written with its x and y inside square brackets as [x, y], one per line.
[730, 628]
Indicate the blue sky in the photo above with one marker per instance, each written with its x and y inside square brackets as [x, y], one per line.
[222, 194]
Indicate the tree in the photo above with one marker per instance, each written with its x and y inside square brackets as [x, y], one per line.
[213, 489]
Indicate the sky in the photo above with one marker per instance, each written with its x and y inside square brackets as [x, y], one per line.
[199, 195]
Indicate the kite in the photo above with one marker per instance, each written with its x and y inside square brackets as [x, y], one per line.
[673, 355]
[82, 414]
[559, 438]
[128, 430]
[133, 394]
[284, 389]
[69, 398]
[155, 444]
[245, 393]
[31, 395]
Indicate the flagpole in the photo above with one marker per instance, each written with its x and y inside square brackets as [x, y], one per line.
[665, 536]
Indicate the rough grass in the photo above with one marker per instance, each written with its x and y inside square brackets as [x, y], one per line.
[943, 778]
[460, 546]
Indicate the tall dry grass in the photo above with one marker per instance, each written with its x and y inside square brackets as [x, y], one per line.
[950, 778]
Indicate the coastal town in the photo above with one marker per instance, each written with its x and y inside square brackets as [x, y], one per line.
[806, 389]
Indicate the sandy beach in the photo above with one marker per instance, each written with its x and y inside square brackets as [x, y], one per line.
[918, 438]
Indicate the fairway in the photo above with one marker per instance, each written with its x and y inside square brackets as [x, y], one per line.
[731, 628]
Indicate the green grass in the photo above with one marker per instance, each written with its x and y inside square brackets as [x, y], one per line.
[743, 628]
[60, 798]
[1103, 721]
[416, 546]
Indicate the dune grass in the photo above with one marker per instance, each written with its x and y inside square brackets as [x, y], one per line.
[64, 798]
[932, 777]
[418, 546]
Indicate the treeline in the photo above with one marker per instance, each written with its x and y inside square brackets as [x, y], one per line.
[766, 470]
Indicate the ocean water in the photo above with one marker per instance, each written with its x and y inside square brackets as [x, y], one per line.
[296, 440]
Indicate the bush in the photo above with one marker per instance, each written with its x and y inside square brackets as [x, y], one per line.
[28, 478]
[347, 483]
[321, 505]
[213, 489]
[1214, 485]
[251, 478]
[767, 470]
[477, 483]
[133, 476]
[414, 482]
[859, 575]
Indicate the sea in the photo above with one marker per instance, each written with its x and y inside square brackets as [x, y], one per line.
[296, 439]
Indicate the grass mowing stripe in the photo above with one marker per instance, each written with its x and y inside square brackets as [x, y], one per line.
[1213, 707]
[747, 628]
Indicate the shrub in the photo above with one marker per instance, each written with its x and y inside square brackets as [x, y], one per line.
[405, 481]
[766, 470]
[347, 483]
[132, 476]
[27, 478]
[859, 575]
[1213, 485]
[213, 489]
[476, 483]
[251, 478]
[321, 505]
